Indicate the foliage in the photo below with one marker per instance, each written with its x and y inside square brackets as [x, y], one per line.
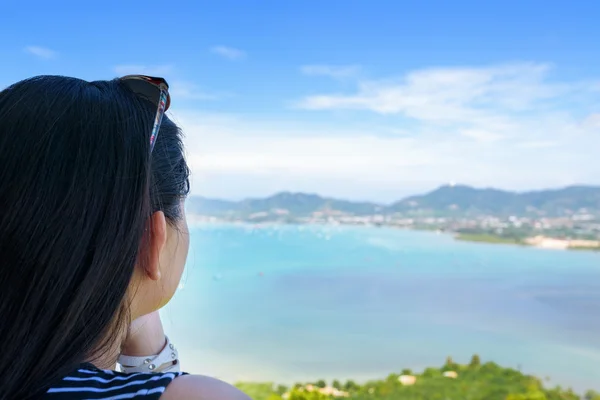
[281, 389]
[258, 391]
[320, 383]
[351, 386]
[591, 395]
[305, 395]
[487, 238]
[585, 248]
[475, 381]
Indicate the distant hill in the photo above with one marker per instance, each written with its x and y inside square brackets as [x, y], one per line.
[298, 204]
[468, 200]
[304, 204]
[446, 200]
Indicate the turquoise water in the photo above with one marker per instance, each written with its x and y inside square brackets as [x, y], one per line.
[291, 303]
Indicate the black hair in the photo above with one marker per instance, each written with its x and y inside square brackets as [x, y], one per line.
[78, 184]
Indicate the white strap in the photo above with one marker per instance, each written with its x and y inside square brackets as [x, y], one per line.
[168, 354]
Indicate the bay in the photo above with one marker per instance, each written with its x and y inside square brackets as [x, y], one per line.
[297, 303]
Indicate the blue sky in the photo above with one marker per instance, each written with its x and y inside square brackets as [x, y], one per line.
[359, 99]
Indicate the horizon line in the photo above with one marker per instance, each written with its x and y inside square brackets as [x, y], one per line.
[457, 185]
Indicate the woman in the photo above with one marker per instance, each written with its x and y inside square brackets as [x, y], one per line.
[93, 241]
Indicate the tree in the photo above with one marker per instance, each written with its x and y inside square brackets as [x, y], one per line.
[406, 371]
[431, 372]
[321, 383]
[450, 364]
[475, 361]
[591, 395]
[281, 389]
[350, 386]
[490, 381]
[336, 384]
[301, 395]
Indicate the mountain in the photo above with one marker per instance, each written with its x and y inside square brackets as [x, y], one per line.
[304, 204]
[297, 204]
[570, 198]
[463, 198]
[450, 199]
[468, 200]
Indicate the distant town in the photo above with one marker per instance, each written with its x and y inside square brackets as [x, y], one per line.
[567, 218]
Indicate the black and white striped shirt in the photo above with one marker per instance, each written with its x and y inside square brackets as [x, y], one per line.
[89, 382]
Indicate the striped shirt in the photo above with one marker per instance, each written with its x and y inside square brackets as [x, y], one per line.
[89, 382]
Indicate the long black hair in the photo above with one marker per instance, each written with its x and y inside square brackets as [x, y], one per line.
[77, 186]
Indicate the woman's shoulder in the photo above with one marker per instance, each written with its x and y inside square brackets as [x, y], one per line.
[89, 382]
[199, 387]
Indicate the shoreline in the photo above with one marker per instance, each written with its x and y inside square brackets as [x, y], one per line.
[539, 241]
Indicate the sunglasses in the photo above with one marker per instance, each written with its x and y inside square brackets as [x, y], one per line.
[156, 91]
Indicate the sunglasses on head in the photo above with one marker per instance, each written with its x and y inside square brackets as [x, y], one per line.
[156, 91]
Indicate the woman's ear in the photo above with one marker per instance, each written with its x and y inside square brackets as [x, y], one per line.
[158, 239]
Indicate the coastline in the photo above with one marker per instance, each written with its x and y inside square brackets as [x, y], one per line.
[539, 241]
[486, 238]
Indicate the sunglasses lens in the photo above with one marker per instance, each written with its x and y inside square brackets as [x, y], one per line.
[144, 89]
[156, 91]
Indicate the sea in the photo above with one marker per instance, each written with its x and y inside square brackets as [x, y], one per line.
[295, 303]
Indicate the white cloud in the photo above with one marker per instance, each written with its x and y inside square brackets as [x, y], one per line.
[482, 135]
[592, 121]
[233, 157]
[333, 71]
[41, 52]
[486, 104]
[507, 126]
[154, 70]
[228, 52]
[447, 94]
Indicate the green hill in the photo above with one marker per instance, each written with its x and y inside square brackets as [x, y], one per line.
[475, 381]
